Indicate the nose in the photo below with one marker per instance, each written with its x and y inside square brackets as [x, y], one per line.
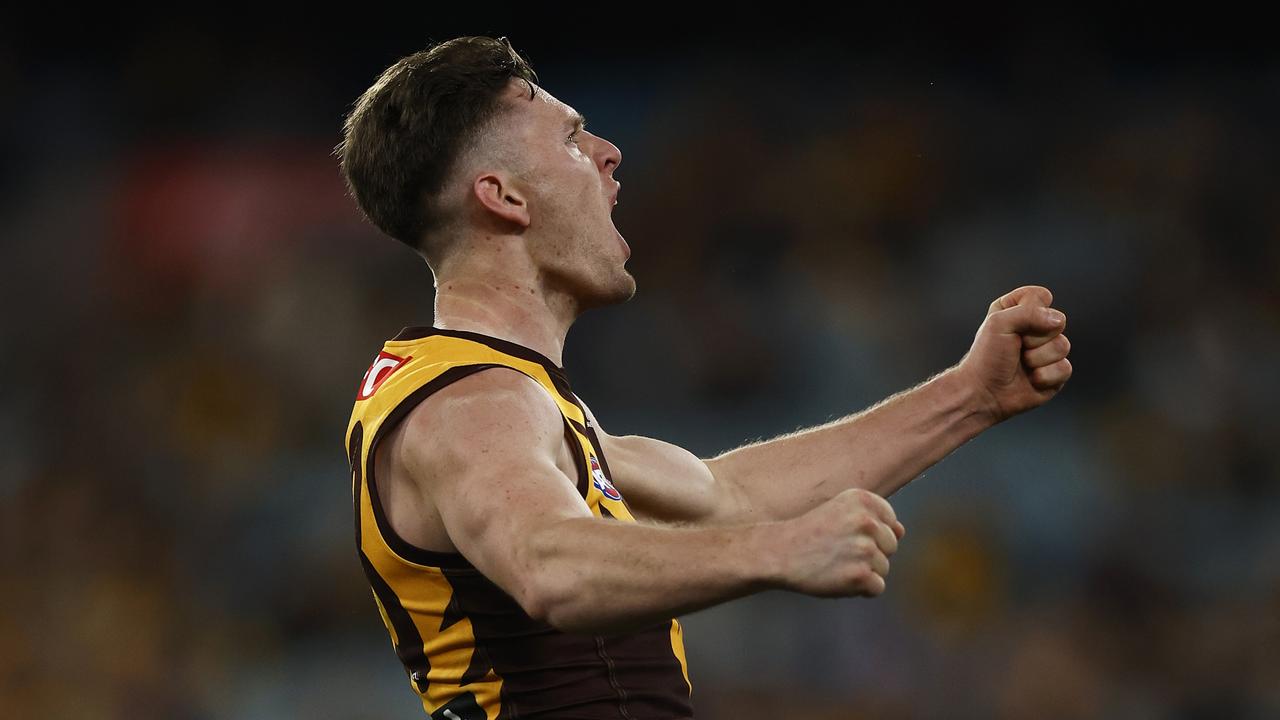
[608, 157]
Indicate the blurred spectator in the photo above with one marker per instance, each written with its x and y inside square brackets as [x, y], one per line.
[191, 305]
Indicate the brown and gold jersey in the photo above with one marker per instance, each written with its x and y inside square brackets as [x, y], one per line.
[470, 650]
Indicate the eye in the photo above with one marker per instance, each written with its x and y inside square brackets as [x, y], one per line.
[573, 137]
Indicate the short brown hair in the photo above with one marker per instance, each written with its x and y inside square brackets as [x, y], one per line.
[406, 132]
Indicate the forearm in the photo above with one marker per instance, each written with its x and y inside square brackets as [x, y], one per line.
[879, 449]
[648, 575]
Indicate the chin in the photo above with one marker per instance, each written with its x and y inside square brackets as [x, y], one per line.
[626, 286]
[619, 291]
[629, 293]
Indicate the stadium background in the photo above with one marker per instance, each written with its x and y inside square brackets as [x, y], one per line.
[819, 218]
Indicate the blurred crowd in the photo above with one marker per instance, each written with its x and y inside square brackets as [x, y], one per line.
[190, 306]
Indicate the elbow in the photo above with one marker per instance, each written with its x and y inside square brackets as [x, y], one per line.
[559, 590]
[545, 594]
[575, 613]
[535, 601]
[544, 601]
[552, 588]
[566, 621]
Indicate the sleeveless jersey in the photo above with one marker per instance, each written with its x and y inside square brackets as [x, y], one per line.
[470, 650]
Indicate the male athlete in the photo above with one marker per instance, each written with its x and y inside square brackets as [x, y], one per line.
[526, 563]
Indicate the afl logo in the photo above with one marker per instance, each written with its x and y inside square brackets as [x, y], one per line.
[601, 482]
[378, 372]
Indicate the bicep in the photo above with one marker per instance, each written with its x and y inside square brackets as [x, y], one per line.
[485, 454]
[665, 483]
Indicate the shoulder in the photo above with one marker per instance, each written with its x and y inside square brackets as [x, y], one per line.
[496, 412]
[488, 390]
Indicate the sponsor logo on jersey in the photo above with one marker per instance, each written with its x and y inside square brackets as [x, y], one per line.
[378, 372]
[601, 482]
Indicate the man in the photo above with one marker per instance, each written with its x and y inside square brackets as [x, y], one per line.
[526, 562]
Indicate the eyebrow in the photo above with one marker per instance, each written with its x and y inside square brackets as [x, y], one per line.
[576, 120]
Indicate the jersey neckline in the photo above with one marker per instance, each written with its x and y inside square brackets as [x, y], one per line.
[416, 332]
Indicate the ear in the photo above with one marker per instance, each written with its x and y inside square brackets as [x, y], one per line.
[499, 195]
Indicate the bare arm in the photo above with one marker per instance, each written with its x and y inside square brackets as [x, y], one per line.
[1017, 362]
[488, 452]
[879, 449]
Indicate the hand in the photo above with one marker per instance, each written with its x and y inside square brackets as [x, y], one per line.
[842, 547]
[1019, 355]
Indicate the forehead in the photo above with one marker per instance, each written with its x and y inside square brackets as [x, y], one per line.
[544, 107]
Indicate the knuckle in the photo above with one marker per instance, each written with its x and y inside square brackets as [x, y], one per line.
[860, 575]
[865, 522]
[889, 512]
[873, 500]
[875, 587]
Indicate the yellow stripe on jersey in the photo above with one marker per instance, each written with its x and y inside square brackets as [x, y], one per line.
[469, 649]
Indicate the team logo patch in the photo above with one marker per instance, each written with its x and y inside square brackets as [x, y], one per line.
[601, 482]
[378, 372]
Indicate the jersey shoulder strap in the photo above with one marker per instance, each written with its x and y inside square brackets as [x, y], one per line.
[421, 360]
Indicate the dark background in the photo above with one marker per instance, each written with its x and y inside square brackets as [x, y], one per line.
[820, 210]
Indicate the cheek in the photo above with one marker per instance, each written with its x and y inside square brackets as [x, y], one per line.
[583, 172]
[569, 192]
[567, 183]
[575, 200]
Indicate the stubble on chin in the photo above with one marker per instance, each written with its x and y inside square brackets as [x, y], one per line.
[621, 288]
[612, 296]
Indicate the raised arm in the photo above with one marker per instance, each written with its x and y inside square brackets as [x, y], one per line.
[1017, 362]
[489, 452]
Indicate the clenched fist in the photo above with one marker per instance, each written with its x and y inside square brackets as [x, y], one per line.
[842, 547]
[1019, 355]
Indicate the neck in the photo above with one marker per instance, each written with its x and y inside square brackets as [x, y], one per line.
[511, 306]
